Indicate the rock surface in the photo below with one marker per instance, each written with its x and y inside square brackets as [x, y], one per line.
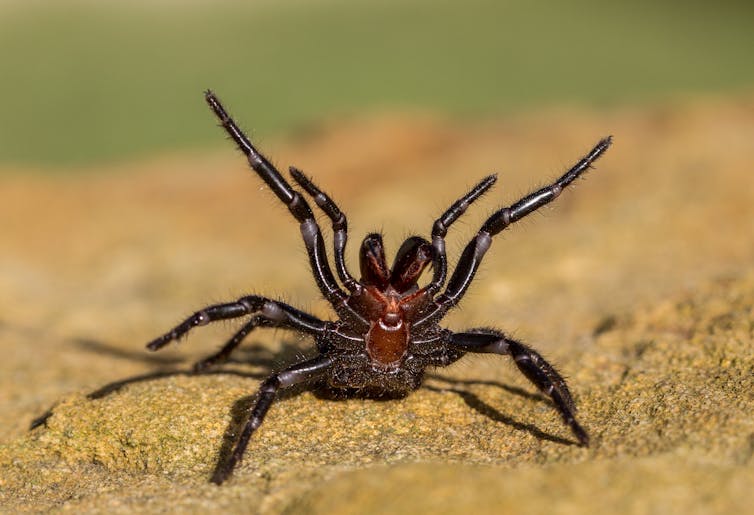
[637, 284]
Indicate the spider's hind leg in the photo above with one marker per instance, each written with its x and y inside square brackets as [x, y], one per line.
[532, 365]
[266, 313]
[224, 353]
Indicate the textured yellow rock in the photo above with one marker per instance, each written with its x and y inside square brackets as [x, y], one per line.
[638, 287]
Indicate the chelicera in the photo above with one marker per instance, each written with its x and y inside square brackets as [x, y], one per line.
[387, 331]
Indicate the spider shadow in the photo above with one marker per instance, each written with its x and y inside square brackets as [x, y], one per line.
[267, 360]
[242, 407]
[256, 355]
[239, 416]
[477, 404]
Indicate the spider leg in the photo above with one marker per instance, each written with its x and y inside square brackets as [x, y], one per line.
[478, 246]
[298, 373]
[296, 204]
[339, 226]
[277, 313]
[440, 229]
[256, 321]
[531, 364]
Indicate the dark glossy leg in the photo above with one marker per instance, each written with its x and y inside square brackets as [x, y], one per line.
[532, 365]
[276, 312]
[475, 250]
[256, 321]
[339, 227]
[440, 229]
[301, 372]
[297, 205]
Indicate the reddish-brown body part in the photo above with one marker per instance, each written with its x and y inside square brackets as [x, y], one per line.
[388, 336]
[390, 299]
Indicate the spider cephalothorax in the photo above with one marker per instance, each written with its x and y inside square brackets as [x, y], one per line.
[387, 332]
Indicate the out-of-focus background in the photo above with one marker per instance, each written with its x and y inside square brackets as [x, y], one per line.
[123, 208]
[94, 82]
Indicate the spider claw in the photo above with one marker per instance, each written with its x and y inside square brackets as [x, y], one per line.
[163, 340]
[158, 343]
[580, 433]
[203, 365]
[221, 474]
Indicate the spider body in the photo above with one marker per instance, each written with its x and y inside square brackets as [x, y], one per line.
[387, 332]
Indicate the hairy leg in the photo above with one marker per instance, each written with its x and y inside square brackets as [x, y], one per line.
[339, 226]
[274, 311]
[301, 372]
[256, 321]
[440, 229]
[474, 252]
[531, 364]
[296, 204]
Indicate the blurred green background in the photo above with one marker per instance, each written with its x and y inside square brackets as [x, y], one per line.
[93, 82]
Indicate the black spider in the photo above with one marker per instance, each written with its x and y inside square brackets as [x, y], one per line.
[387, 331]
